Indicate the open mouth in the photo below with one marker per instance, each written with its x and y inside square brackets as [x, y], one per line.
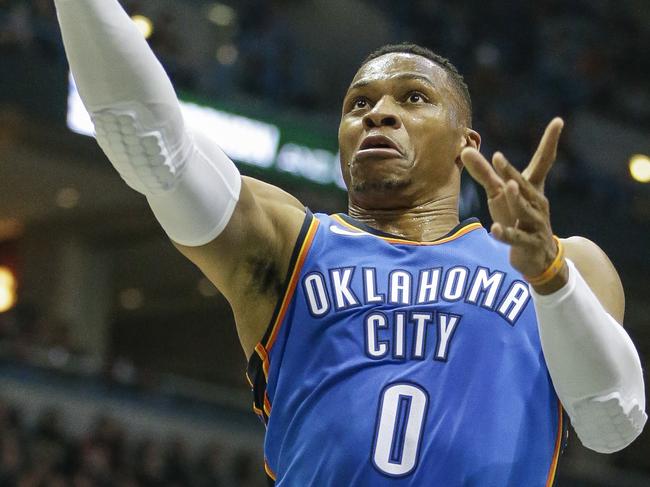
[378, 146]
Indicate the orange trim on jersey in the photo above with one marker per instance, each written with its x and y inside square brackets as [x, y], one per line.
[302, 255]
[268, 470]
[261, 351]
[558, 447]
[256, 410]
[267, 404]
[458, 234]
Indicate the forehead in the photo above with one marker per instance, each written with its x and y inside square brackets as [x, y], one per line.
[393, 64]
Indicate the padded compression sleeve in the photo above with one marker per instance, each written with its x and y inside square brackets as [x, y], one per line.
[190, 184]
[110, 59]
[594, 365]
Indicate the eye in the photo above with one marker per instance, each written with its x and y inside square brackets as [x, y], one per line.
[360, 102]
[416, 97]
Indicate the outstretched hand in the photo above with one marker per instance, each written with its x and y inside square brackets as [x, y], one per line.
[517, 204]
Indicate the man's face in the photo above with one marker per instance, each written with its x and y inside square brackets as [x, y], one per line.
[401, 132]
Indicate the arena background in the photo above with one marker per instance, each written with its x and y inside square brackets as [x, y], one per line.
[119, 364]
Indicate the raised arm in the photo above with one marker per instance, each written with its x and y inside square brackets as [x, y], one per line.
[578, 300]
[224, 223]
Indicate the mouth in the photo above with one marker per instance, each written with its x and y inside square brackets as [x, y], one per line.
[378, 146]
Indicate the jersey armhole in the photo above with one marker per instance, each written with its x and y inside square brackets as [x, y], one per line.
[562, 440]
[257, 369]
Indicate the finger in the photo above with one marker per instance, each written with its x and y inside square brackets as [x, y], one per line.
[529, 218]
[507, 172]
[545, 154]
[512, 235]
[482, 171]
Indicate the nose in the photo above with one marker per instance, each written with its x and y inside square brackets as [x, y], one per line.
[383, 114]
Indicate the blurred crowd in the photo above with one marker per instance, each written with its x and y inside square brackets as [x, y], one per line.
[525, 62]
[35, 339]
[553, 55]
[30, 25]
[27, 336]
[44, 454]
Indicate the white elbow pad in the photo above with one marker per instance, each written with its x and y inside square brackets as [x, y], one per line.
[200, 204]
[149, 154]
[608, 423]
[190, 184]
[593, 364]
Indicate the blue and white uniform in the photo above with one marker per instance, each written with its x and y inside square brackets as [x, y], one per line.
[400, 363]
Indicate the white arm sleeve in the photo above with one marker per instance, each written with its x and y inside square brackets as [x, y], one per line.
[190, 184]
[593, 364]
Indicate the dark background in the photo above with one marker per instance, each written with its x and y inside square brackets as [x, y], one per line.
[119, 365]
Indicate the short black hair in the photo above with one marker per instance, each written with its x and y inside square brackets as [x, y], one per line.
[456, 78]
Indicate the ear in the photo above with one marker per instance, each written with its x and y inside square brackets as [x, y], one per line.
[471, 138]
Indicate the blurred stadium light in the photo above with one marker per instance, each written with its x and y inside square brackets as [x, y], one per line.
[7, 289]
[640, 168]
[144, 24]
[244, 139]
[221, 14]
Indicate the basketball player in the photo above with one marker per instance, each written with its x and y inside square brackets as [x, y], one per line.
[393, 345]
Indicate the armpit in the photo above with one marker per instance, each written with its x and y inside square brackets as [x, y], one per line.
[264, 276]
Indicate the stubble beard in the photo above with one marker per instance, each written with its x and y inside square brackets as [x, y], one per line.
[380, 186]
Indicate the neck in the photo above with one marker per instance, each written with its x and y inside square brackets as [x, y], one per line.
[422, 223]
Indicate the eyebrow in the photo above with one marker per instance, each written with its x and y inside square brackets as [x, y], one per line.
[401, 77]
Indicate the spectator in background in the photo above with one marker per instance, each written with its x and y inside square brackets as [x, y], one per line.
[269, 65]
[12, 456]
[243, 471]
[49, 456]
[15, 25]
[166, 42]
[178, 463]
[46, 36]
[210, 468]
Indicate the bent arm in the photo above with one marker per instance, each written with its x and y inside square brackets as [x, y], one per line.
[592, 361]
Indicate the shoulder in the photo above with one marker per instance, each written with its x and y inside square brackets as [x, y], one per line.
[265, 191]
[598, 271]
[587, 256]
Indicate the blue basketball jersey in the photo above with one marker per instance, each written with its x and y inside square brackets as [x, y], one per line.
[400, 363]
